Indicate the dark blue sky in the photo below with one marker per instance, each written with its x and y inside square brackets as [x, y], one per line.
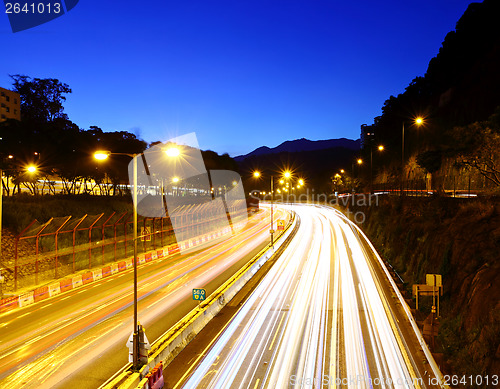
[240, 73]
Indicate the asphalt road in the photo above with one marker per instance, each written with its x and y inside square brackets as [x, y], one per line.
[324, 316]
[77, 339]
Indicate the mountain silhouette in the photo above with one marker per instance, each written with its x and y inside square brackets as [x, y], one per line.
[298, 145]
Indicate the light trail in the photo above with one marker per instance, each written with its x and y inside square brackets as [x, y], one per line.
[45, 350]
[321, 317]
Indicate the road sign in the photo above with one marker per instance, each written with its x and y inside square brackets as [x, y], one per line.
[433, 280]
[199, 294]
[145, 234]
[281, 225]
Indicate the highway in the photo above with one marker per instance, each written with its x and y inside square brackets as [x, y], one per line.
[324, 316]
[78, 339]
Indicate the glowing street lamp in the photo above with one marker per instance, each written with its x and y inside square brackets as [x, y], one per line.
[31, 169]
[173, 151]
[256, 174]
[380, 148]
[102, 155]
[418, 121]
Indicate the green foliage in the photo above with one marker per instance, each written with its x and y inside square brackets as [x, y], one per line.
[430, 160]
[41, 99]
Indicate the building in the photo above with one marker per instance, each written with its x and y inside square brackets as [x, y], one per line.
[367, 135]
[10, 105]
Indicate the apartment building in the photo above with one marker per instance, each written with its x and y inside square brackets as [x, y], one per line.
[10, 105]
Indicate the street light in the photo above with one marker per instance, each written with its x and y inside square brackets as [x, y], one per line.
[256, 174]
[380, 148]
[103, 155]
[418, 121]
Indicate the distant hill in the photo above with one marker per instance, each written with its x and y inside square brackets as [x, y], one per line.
[299, 145]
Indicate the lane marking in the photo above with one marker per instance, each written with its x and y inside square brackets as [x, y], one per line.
[276, 333]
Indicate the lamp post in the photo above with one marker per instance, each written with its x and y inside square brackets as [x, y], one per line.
[101, 156]
[380, 148]
[256, 174]
[417, 121]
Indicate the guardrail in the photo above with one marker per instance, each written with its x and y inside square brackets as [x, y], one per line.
[172, 342]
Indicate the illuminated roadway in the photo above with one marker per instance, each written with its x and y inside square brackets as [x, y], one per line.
[324, 316]
[77, 339]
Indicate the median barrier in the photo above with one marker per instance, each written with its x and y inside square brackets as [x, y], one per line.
[77, 281]
[97, 274]
[159, 253]
[129, 263]
[9, 303]
[170, 344]
[173, 249]
[66, 284]
[41, 293]
[148, 257]
[26, 299]
[106, 271]
[54, 289]
[114, 268]
[87, 277]
[141, 259]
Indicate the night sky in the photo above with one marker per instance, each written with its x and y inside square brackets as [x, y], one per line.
[241, 74]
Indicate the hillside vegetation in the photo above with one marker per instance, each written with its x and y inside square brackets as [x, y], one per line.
[459, 239]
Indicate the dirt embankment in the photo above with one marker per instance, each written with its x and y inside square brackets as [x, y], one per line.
[459, 239]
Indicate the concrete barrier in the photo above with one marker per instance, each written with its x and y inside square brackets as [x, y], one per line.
[173, 249]
[97, 274]
[66, 284]
[54, 289]
[41, 293]
[87, 277]
[77, 281]
[26, 299]
[141, 259]
[9, 303]
[114, 268]
[106, 271]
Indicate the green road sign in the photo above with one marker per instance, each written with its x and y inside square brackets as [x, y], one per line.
[199, 294]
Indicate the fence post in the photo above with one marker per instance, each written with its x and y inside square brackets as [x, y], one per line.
[102, 235]
[90, 239]
[56, 235]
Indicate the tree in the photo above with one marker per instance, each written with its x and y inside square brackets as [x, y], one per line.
[478, 146]
[41, 98]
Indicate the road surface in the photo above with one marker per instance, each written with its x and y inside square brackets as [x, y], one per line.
[77, 339]
[324, 316]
